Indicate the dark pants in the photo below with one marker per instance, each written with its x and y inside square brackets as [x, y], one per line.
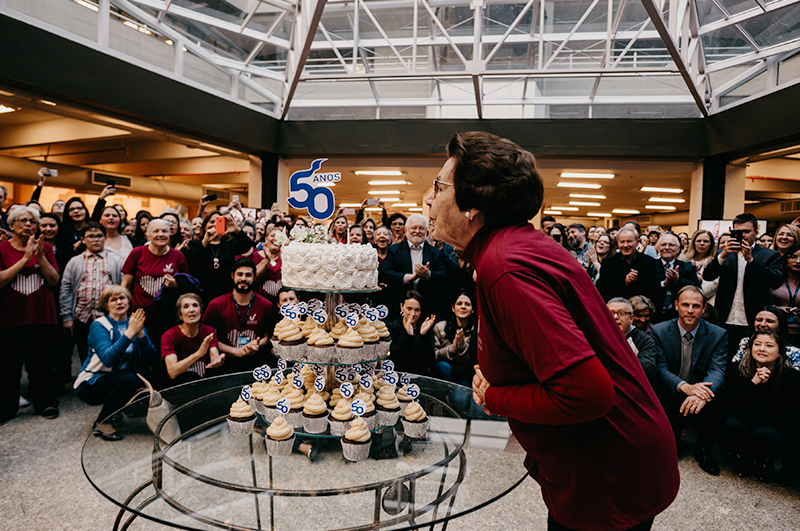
[35, 347]
[80, 333]
[705, 421]
[552, 525]
[735, 335]
[112, 391]
[763, 441]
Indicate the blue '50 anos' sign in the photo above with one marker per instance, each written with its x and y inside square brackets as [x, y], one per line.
[306, 193]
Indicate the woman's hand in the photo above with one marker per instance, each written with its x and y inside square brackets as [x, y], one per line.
[592, 254]
[761, 376]
[183, 245]
[217, 359]
[427, 324]
[136, 322]
[408, 324]
[39, 250]
[479, 387]
[30, 249]
[458, 341]
[170, 282]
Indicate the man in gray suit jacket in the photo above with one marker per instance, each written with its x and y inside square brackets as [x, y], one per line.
[691, 358]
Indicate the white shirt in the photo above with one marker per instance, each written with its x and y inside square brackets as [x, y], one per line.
[737, 316]
[416, 259]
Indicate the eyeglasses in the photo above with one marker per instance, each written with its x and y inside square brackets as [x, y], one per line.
[619, 313]
[436, 188]
[26, 221]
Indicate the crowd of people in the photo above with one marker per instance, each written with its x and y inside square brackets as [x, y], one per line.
[714, 323]
[172, 300]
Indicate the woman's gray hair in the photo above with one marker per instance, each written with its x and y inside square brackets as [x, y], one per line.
[155, 223]
[188, 224]
[17, 210]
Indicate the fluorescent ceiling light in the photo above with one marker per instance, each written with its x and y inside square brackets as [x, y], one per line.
[373, 209]
[403, 205]
[383, 192]
[87, 5]
[386, 183]
[662, 190]
[660, 207]
[131, 25]
[571, 209]
[624, 211]
[415, 209]
[4, 109]
[579, 185]
[379, 172]
[389, 199]
[568, 175]
[587, 196]
[667, 200]
[598, 215]
[583, 203]
[553, 212]
[50, 103]
[349, 205]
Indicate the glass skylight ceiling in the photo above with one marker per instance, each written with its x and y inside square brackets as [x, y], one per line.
[367, 59]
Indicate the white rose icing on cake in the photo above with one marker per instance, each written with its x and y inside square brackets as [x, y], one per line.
[324, 266]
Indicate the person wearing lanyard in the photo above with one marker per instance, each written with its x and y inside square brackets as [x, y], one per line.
[240, 319]
[785, 297]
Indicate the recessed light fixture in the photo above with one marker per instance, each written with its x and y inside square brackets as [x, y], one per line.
[588, 186]
[569, 175]
[169, 42]
[660, 207]
[662, 190]
[415, 209]
[587, 196]
[387, 173]
[389, 199]
[373, 209]
[131, 25]
[383, 192]
[553, 212]
[571, 209]
[386, 183]
[87, 5]
[50, 103]
[583, 203]
[598, 214]
[5, 109]
[667, 200]
[404, 205]
[349, 205]
[624, 211]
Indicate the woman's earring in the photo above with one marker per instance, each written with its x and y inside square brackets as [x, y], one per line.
[467, 214]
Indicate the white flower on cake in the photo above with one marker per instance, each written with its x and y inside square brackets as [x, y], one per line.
[281, 238]
[327, 266]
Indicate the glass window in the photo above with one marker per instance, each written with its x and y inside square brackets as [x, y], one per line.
[775, 27]
[789, 69]
[745, 90]
[227, 11]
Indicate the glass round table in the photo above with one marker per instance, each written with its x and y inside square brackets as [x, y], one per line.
[190, 473]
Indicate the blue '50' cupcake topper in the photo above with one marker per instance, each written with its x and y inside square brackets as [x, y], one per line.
[246, 393]
[358, 407]
[284, 406]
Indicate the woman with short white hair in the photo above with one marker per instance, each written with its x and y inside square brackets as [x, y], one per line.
[28, 317]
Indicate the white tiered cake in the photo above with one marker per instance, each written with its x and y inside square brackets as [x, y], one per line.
[321, 266]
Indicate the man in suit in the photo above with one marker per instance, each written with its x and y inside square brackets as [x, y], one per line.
[690, 364]
[629, 272]
[674, 274]
[640, 342]
[414, 264]
[746, 273]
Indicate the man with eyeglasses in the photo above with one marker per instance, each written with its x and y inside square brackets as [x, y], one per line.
[674, 274]
[642, 345]
[85, 278]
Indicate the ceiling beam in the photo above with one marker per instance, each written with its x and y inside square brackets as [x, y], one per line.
[744, 16]
[306, 19]
[55, 131]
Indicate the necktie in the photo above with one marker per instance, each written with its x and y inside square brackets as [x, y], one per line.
[686, 358]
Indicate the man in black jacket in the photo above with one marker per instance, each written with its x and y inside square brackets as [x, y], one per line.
[674, 274]
[629, 272]
[746, 273]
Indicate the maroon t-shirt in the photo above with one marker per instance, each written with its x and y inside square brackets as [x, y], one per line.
[27, 299]
[232, 321]
[270, 282]
[148, 272]
[175, 342]
[539, 314]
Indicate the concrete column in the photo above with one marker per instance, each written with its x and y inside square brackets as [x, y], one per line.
[283, 184]
[254, 184]
[735, 179]
[696, 198]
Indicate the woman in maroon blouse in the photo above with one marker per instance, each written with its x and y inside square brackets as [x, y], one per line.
[551, 358]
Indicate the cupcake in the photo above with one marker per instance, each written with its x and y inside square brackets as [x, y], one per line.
[340, 417]
[371, 341]
[292, 344]
[315, 414]
[280, 438]
[385, 341]
[387, 406]
[320, 347]
[403, 398]
[308, 326]
[257, 392]
[348, 350]
[296, 398]
[356, 441]
[270, 402]
[415, 421]
[338, 330]
[370, 415]
[308, 376]
[335, 397]
[241, 419]
[282, 326]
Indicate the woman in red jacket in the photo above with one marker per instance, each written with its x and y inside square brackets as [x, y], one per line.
[551, 358]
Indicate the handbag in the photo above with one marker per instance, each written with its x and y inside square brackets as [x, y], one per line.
[157, 410]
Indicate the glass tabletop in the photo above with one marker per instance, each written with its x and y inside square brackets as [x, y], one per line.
[200, 477]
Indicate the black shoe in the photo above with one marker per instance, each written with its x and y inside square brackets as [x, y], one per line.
[764, 469]
[107, 436]
[741, 465]
[706, 461]
[50, 413]
[313, 454]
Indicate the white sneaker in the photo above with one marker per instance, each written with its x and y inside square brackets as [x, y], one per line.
[23, 402]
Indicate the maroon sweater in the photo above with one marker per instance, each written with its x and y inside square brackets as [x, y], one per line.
[576, 397]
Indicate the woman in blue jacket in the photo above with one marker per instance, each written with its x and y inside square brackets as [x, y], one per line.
[117, 343]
